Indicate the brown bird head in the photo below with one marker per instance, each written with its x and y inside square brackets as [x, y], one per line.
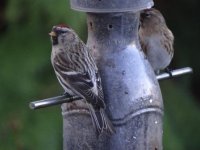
[61, 33]
[151, 17]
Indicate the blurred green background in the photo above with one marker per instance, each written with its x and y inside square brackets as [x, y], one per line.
[26, 73]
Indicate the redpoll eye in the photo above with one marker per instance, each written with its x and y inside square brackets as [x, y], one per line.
[61, 32]
[146, 15]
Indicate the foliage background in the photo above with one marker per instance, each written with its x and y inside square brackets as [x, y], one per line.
[26, 73]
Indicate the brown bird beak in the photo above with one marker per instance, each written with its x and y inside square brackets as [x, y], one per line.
[53, 34]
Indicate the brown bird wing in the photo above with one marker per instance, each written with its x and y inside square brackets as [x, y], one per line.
[78, 82]
[83, 84]
[168, 41]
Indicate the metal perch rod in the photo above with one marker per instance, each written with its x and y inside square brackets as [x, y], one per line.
[175, 73]
[64, 99]
[52, 101]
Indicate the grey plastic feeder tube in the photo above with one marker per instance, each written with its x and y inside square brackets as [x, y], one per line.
[132, 93]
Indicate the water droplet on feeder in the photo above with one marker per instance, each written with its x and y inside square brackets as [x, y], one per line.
[134, 137]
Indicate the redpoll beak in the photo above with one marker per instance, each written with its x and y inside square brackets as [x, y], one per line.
[53, 34]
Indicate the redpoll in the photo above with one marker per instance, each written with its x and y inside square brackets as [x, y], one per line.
[156, 39]
[77, 73]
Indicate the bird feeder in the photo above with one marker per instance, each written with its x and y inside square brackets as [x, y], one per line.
[131, 90]
[132, 93]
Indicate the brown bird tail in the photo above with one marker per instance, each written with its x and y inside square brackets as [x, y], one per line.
[107, 125]
[101, 121]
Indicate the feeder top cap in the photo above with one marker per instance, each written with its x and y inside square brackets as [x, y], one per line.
[106, 6]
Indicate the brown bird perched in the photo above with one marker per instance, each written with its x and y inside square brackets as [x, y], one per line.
[77, 73]
[156, 39]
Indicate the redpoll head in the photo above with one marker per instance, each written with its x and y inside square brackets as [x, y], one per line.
[61, 34]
